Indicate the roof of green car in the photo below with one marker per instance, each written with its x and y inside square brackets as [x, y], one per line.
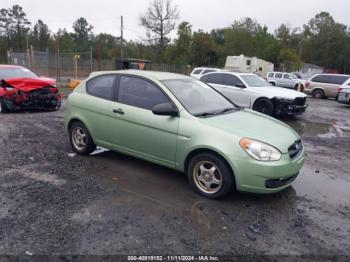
[143, 73]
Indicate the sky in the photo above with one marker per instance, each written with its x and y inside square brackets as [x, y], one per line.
[104, 15]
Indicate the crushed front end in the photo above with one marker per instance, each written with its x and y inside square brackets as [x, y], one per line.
[14, 98]
[285, 106]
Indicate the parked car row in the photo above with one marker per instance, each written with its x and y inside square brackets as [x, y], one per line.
[252, 91]
[318, 86]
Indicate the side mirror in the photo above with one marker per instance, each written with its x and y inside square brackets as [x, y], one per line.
[165, 109]
[240, 85]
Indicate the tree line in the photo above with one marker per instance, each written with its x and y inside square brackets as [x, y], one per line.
[322, 41]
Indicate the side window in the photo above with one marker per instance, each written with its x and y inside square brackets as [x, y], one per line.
[338, 80]
[317, 78]
[232, 80]
[137, 92]
[286, 76]
[197, 71]
[278, 75]
[218, 79]
[101, 86]
[270, 75]
[207, 71]
[331, 79]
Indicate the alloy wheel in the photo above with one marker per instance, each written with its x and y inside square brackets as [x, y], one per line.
[207, 177]
[79, 138]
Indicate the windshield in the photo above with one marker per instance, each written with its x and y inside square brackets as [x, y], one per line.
[254, 80]
[16, 73]
[198, 98]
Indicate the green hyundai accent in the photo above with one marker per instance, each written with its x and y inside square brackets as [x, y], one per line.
[182, 123]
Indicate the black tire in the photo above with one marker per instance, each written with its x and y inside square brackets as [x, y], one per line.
[223, 171]
[273, 83]
[265, 106]
[87, 146]
[318, 93]
[58, 106]
[3, 107]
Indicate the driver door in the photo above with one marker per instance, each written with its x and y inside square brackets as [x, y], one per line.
[137, 130]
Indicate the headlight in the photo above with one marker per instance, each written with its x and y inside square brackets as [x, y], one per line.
[259, 150]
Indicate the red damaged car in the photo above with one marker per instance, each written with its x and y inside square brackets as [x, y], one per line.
[21, 89]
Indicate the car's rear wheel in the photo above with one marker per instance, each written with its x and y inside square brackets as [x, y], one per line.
[210, 176]
[318, 93]
[265, 106]
[80, 139]
[273, 83]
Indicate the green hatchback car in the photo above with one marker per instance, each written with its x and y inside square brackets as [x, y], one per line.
[182, 123]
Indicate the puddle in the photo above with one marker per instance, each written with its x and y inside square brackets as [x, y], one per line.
[321, 187]
[322, 130]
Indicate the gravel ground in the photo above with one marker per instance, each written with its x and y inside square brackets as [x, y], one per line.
[54, 202]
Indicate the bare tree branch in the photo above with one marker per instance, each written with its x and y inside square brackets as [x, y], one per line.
[160, 20]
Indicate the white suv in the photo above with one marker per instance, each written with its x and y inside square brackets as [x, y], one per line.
[252, 91]
[287, 80]
[200, 71]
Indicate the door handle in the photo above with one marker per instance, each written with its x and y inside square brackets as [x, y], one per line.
[118, 111]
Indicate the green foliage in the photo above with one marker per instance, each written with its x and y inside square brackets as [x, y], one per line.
[327, 43]
[82, 35]
[40, 36]
[290, 59]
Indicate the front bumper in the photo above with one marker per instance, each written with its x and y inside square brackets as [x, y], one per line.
[290, 107]
[343, 98]
[266, 177]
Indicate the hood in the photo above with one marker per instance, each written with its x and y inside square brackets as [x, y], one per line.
[253, 125]
[274, 91]
[29, 84]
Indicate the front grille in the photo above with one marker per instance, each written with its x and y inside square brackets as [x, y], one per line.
[300, 101]
[295, 149]
[275, 183]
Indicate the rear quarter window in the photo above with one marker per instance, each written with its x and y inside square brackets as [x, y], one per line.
[270, 74]
[101, 86]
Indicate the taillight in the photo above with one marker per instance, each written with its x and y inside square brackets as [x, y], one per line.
[307, 84]
[339, 89]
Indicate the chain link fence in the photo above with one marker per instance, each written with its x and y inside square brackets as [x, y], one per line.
[75, 65]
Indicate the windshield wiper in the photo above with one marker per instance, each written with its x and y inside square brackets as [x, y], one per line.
[206, 114]
[216, 112]
[226, 110]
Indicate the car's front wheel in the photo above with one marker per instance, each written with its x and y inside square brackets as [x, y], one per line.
[80, 139]
[3, 107]
[210, 176]
[265, 106]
